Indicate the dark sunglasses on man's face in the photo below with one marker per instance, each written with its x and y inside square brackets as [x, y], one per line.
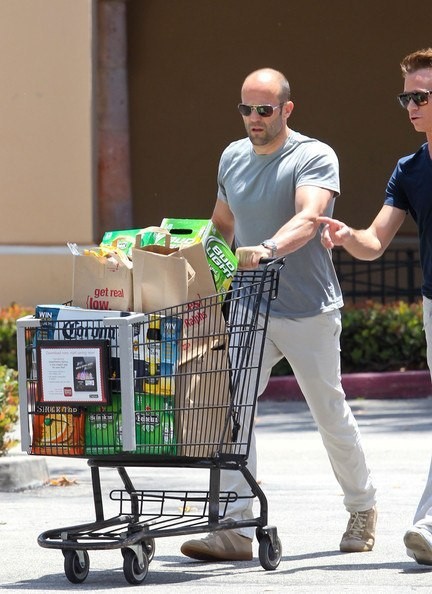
[265, 111]
[419, 97]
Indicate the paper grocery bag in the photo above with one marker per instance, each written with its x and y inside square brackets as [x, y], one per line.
[179, 279]
[159, 280]
[202, 403]
[202, 315]
[102, 282]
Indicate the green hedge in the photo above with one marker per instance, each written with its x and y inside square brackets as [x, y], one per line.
[8, 407]
[8, 318]
[9, 374]
[378, 337]
[375, 337]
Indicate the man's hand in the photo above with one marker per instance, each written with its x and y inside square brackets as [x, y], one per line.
[249, 257]
[334, 232]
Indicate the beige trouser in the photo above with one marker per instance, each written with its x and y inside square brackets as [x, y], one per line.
[311, 345]
[423, 515]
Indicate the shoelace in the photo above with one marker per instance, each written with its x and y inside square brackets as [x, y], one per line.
[358, 523]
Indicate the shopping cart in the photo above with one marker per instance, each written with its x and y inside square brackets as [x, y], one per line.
[174, 388]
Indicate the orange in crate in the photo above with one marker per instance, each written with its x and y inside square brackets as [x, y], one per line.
[58, 430]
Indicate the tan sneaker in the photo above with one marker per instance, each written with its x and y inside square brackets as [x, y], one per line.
[360, 533]
[224, 545]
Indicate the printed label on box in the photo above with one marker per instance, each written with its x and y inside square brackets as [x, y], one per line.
[220, 257]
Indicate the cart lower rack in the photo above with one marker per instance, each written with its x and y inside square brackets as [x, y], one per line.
[174, 388]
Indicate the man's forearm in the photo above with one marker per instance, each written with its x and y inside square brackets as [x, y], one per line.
[363, 244]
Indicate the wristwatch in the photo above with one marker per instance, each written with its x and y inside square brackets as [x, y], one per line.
[270, 245]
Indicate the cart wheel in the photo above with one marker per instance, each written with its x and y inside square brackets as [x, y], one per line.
[133, 572]
[149, 548]
[269, 555]
[76, 566]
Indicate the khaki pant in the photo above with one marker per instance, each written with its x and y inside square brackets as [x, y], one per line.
[423, 515]
[311, 345]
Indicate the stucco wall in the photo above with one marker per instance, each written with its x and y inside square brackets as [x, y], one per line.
[46, 148]
[186, 63]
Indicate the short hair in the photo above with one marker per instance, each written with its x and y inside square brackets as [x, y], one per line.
[285, 89]
[417, 60]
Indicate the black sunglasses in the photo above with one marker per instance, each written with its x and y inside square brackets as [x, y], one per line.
[419, 97]
[265, 111]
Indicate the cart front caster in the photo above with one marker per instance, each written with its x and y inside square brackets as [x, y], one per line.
[269, 548]
[149, 548]
[76, 565]
[135, 571]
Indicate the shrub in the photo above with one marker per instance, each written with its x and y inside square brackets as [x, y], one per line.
[377, 337]
[8, 318]
[8, 407]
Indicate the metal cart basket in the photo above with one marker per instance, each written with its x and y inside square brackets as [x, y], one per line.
[174, 388]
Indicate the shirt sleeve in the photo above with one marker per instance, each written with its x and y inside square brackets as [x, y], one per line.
[320, 168]
[395, 194]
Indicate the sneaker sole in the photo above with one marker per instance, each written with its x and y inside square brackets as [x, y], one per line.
[419, 547]
[201, 556]
[355, 548]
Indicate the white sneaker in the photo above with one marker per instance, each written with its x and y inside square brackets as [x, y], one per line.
[418, 542]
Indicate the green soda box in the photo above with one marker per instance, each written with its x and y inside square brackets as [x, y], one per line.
[220, 257]
[154, 425]
[103, 428]
[125, 239]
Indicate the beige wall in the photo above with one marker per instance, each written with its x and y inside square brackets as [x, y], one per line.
[187, 59]
[46, 148]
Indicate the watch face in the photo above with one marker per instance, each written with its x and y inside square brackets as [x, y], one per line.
[270, 245]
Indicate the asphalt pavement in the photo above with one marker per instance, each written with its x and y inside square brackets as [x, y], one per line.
[305, 504]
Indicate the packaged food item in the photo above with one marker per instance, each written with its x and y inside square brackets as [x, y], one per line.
[154, 425]
[222, 261]
[156, 355]
[58, 430]
[125, 240]
[103, 428]
[63, 322]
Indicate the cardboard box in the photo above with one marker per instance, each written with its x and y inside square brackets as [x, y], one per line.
[103, 428]
[125, 239]
[220, 257]
[154, 426]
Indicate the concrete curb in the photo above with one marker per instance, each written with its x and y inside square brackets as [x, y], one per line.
[384, 385]
[19, 471]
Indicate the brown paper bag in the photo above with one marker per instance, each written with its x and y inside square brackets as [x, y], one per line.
[159, 281]
[202, 415]
[102, 282]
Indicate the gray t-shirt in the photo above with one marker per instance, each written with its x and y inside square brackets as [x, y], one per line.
[260, 191]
